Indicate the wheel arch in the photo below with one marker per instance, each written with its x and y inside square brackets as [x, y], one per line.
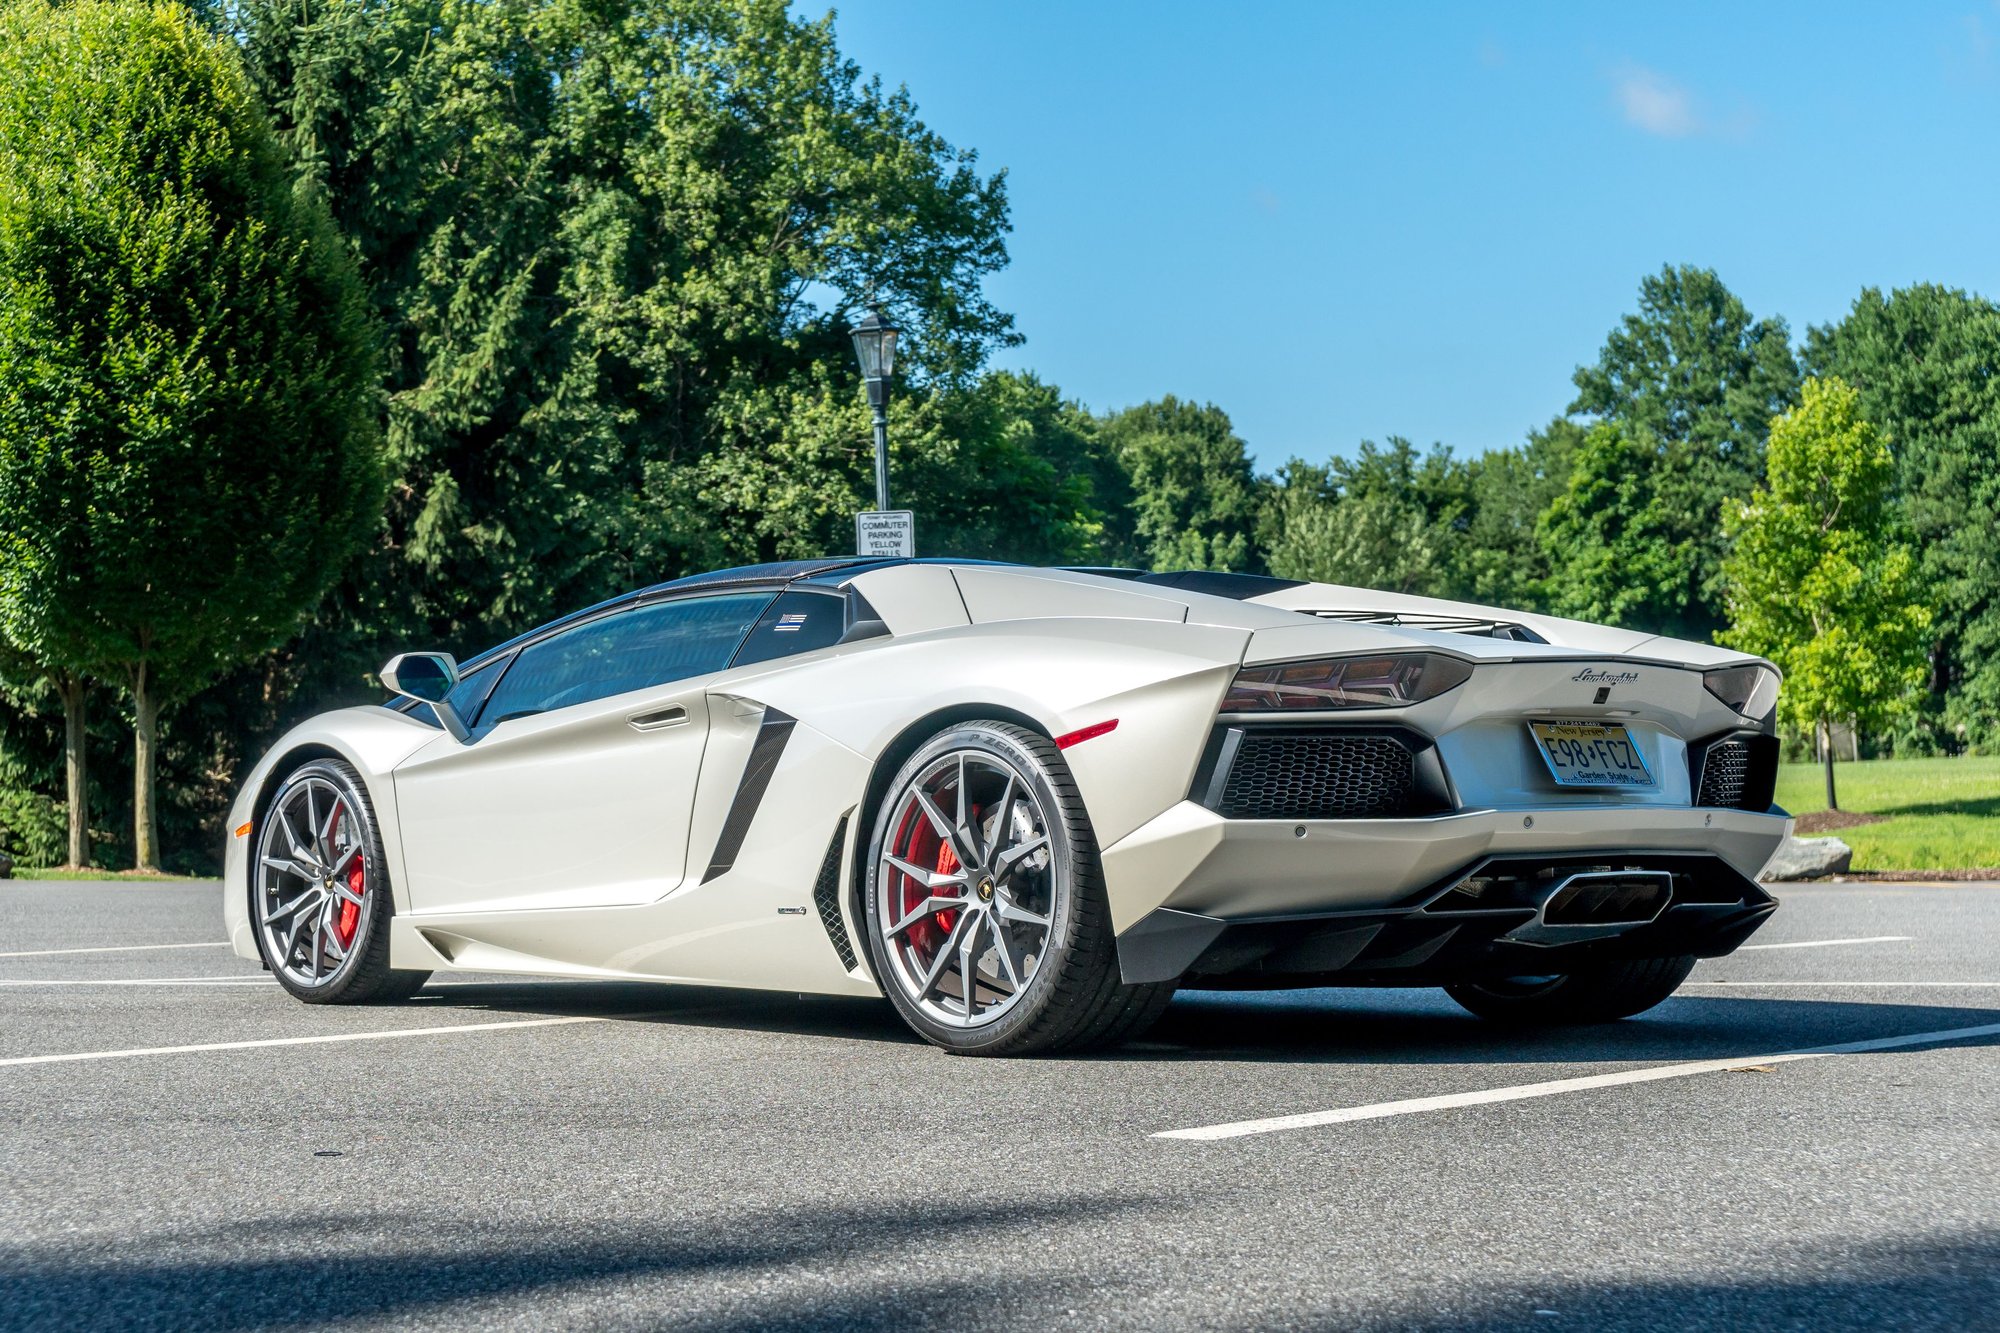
[887, 764]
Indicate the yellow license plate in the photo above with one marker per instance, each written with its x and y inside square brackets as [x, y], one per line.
[1591, 754]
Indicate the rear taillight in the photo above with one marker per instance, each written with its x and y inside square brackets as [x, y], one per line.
[1389, 681]
[1750, 690]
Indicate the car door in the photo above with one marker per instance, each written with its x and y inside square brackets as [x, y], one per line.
[578, 781]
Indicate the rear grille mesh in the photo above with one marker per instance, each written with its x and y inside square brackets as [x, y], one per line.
[1321, 776]
[826, 897]
[1723, 773]
[1738, 772]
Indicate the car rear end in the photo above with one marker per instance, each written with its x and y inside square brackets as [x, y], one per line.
[1394, 805]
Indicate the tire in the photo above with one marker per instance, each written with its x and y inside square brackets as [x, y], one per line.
[1011, 882]
[1601, 994]
[320, 901]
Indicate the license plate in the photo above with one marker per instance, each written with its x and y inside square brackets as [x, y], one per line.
[1591, 754]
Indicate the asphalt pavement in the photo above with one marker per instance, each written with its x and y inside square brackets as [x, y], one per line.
[184, 1146]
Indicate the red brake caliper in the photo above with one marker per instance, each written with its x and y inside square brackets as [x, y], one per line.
[350, 912]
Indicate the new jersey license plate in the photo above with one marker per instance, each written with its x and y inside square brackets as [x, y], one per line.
[1591, 754]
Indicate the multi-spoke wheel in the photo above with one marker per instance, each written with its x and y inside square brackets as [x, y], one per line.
[986, 919]
[319, 891]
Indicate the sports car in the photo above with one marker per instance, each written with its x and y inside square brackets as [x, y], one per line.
[1026, 804]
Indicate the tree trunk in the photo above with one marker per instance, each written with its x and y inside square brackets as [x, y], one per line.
[145, 731]
[75, 693]
[1826, 727]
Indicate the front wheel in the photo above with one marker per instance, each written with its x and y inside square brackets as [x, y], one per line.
[986, 916]
[1600, 994]
[319, 891]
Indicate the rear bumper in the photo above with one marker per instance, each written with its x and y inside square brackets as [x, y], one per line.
[1280, 902]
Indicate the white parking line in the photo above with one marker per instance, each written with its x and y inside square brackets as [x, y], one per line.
[1382, 1110]
[1919, 984]
[140, 981]
[1821, 944]
[114, 948]
[314, 1041]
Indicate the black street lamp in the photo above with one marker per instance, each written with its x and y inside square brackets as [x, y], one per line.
[875, 348]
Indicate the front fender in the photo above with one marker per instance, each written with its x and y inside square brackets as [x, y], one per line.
[371, 739]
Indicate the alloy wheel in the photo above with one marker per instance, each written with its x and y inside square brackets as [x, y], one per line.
[968, 888]
[312, 881]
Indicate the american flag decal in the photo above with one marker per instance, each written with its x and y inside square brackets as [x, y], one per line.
[790, 623]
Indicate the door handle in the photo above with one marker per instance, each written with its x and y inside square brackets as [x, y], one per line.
[672, 716]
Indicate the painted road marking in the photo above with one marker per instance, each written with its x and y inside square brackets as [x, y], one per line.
[1382, 1110]
[114, 948]
[1821, 944]
[315, 1041]
[141, 981]
[1919, 984]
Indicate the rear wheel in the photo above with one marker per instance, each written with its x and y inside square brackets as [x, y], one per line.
[319, 893]
[1600, 994]
[987, 920]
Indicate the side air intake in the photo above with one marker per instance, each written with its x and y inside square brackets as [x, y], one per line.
[826, 897]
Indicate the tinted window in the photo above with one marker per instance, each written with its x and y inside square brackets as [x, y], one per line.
[797, 622]
[466, 696]
[627, 650]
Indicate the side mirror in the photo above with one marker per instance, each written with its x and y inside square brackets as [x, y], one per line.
[428, 678]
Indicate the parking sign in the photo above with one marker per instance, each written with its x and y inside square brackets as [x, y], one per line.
[885, 532]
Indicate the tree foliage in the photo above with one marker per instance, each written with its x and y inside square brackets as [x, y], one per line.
[613, 242]
[1926, 361]
[1387, 518]
[1195, 497]
[188, 448]
[1819, 580]
[1696, 375]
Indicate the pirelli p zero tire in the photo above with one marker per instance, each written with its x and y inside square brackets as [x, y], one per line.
[319, 891]
[986, 916]
[1601, 994]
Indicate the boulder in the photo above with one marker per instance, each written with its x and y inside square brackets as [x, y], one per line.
[1808, 858]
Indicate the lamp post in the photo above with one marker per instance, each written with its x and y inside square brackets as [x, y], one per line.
[875, 348]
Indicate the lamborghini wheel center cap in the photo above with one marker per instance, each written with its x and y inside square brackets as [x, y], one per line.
[986, 890]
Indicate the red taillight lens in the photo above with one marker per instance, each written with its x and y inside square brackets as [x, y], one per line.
[1344, 682]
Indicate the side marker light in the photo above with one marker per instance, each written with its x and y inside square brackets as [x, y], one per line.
[1082, 734]
[242, 830]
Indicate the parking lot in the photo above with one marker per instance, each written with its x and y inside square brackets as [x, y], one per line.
[182, 1145]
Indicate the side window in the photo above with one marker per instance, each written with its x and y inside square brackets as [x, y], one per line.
[797, 622]
[626, 650]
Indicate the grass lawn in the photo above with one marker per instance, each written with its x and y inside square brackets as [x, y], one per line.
[1942, 814]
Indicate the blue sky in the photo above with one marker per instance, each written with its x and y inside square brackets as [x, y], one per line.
[1342, 222]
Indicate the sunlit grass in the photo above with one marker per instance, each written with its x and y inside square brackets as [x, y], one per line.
[1943, 814]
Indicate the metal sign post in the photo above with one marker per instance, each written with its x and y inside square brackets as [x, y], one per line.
[886, 532]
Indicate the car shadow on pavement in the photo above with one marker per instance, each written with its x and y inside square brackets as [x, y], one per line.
[765, 1268]
[1352, 1026]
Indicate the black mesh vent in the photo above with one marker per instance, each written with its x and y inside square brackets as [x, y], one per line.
[1723, 774]
[1738, 773]
[1324, 776]
[826, 897]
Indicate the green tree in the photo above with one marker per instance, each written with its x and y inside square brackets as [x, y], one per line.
[990, 470]
[1818, 581]
[188, 449]
[610, 242]
[1195, 500]
[1927, 363]
[1387, 518]
[1614, 547]
[1696, 374]
[1503, 562]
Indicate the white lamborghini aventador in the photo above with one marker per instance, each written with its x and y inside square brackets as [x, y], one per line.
[1026, 804]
